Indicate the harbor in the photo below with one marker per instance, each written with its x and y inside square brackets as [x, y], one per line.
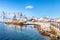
[29, 19]
[45, 27]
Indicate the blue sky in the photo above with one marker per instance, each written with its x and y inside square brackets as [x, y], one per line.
[38, 8]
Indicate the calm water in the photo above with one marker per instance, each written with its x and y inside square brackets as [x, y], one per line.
[10, 32]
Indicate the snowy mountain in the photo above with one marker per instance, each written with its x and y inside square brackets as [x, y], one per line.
[19, 15]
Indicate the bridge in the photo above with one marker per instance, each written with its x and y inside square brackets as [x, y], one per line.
[54, 34]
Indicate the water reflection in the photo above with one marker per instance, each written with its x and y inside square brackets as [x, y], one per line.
[15, 32]
[17, 27]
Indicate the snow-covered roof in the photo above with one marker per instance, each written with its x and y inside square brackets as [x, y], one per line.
[58, 20]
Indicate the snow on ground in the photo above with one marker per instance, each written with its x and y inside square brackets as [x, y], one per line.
[44, 26]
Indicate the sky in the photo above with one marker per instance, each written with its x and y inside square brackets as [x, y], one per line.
[37, 8]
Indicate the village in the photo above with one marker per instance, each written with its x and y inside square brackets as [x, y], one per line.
[46, 26]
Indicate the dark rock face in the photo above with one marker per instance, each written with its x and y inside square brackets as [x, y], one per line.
[58, 38]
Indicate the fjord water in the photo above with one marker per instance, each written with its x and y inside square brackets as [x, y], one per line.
[10, 32]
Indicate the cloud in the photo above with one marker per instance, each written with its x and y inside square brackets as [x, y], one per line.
[29, 7]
